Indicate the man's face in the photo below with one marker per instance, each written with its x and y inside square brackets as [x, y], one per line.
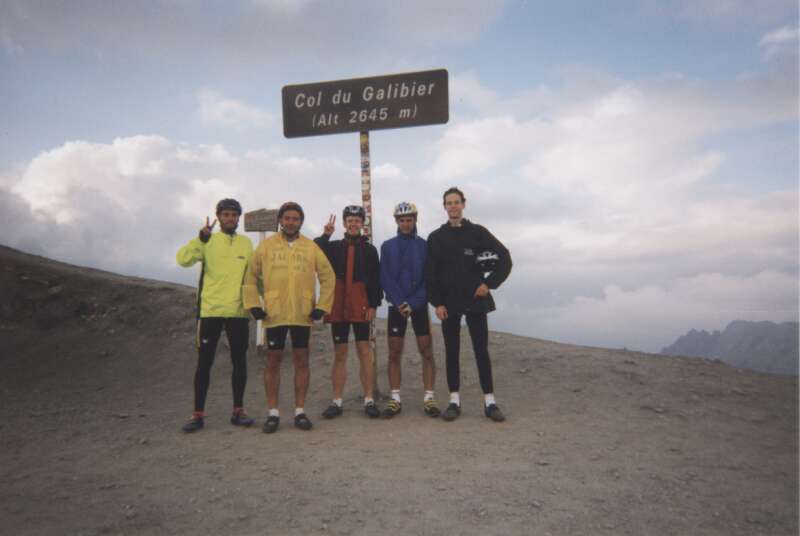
[353, 225]
[454, 206]
[228, 220]
[291, 222]
[406, 224]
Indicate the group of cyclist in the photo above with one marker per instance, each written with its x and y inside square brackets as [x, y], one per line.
[454, 271]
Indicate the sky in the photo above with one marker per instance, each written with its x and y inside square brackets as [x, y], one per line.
[639, 159]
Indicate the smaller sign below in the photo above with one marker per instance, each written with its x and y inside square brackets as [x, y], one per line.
[364, 104]
[261, 220]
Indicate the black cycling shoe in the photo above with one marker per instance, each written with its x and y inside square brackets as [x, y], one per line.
[332, 411]
[494, 413]
[392, 408]
[302, 422]
[452, 412]
[371, 410]
[240, 418]
[271, 425]
[194, 424]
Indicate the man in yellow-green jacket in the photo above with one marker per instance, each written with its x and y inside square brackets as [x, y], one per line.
[224, 256]
[284, 270]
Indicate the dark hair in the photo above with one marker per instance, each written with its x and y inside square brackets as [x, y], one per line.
[229, 204]
[291, 205]
[453, 190]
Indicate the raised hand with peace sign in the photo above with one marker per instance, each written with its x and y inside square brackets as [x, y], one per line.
[329, 227]
[205, 231]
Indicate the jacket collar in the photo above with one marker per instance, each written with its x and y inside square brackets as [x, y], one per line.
[465, 223]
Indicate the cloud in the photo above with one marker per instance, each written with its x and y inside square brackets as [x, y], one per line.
[620, 139]
[215, 109]
[780, 41]
[127, 205]
[653, 316]
[267, 30]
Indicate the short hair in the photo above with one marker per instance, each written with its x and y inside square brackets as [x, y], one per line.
[453, 190]
[291, 205]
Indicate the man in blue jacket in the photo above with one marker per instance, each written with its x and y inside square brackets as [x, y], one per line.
[402, 271]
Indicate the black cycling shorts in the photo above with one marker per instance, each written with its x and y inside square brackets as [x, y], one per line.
[276, 337]
[340, 331]
[420, 321]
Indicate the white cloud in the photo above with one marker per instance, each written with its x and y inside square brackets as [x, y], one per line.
[653, 316]
[387, 171]
[259, 30]
[215, 109]
[780, 41]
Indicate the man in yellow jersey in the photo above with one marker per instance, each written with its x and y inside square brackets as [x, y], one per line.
[224, 256]
[284, 270]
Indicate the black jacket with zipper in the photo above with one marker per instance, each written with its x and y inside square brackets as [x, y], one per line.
[451, 273]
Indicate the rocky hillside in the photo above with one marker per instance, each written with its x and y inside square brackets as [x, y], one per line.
[96, 379]
[762, 346]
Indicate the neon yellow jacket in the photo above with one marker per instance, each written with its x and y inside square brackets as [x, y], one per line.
[224, 259]
[287, 275]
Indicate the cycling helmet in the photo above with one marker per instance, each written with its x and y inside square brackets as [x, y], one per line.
[291, 205]
[486, 261]
[405, 209]
[229, 204]
[353, 210]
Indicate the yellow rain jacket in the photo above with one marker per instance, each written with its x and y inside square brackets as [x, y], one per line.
[224, 259]
[287, 274]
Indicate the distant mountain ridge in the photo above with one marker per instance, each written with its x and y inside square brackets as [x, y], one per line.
[762, 346]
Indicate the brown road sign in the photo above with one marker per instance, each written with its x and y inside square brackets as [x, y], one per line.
[261, 220]
[363, 104]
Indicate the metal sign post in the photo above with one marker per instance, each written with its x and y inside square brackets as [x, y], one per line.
[366, 201]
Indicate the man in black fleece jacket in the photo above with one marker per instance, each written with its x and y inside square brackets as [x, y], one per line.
[457, 286]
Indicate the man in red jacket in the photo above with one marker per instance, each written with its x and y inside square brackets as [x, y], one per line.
[356, 296]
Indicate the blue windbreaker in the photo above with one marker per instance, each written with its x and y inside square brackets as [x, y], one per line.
[403, 270]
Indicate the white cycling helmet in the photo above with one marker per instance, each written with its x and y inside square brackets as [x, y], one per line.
[405, 209]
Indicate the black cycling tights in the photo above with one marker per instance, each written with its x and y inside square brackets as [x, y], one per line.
[479, 333]
[237, 330]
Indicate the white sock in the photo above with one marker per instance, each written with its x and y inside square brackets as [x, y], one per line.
[396, 394]
[337, 402]
[274, 412]
[428, 395]
[488, 399]
[455, 399]
[298, 411]
[368, 400]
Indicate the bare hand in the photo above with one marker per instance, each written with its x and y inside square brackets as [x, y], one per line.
[482, 291]
[441, 312]
[370, 314]
[405, 310]
[329, 227]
